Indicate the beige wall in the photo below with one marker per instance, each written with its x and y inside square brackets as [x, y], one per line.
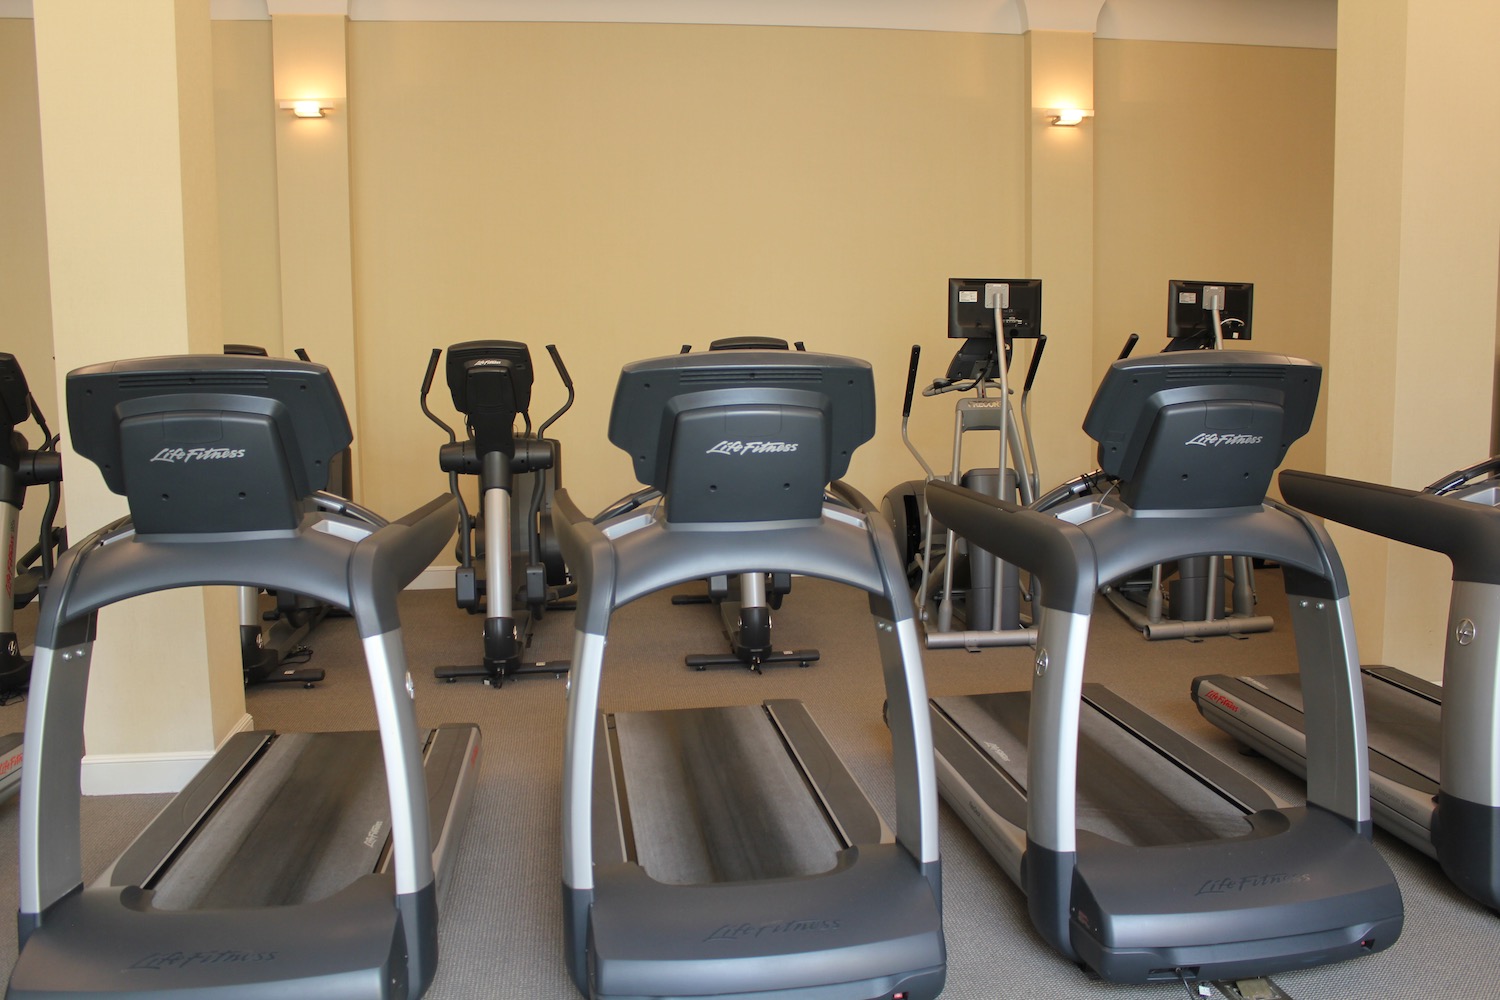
[621, 190]
[1215, 162]
[244, 116]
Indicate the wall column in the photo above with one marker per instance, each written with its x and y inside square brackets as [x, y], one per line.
[1060, 227]
[1416, 255]
[312, 176]
[126, 99]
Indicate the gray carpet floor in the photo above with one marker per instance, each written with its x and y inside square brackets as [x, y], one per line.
[501, 931]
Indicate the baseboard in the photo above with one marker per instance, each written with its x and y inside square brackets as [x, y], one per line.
[433, 578]
[147, 773]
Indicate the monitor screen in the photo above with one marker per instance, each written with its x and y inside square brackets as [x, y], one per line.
[1190, 310]
[971, 312]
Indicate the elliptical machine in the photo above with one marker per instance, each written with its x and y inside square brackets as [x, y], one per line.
[954, 579]
[490, 382]
[746, 620]
[270, 655]
[1188, 599]
[22, 467]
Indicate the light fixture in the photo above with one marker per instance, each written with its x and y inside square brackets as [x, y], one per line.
[1069, 116]
[312, 107]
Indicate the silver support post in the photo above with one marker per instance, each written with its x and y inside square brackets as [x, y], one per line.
[578, 761]
[1244, 586]
[752, 590]
[498, 588]
[1471, 692]
[400, 744]
[945, 606]
[1154, 598]
[1213, 602]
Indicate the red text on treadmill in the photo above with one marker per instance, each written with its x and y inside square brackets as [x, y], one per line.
[1219, 699]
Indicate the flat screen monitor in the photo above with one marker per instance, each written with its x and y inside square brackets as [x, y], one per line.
[971, 315]
[1190, 318]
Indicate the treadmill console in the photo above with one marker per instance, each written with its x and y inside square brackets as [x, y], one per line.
[491, 382]
[209, 443]
[743, 435]
[1198, 430]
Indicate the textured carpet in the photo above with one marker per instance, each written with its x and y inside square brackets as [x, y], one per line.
[501, 931]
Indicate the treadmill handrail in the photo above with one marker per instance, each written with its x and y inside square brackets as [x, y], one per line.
[118, 565]
[842, 546]
[1074, 558]
[1083, 544]
[1467, 533]
[394, 555]
[1056, 551]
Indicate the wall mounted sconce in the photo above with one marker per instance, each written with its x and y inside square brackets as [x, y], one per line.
[1069, 116]
[308, 107]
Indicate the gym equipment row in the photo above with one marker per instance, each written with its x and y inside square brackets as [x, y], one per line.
[655, 845]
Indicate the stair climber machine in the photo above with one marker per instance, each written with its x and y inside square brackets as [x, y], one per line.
[1434, 749]
[273, 654]
[513, 538]
[728, 851]
[746, 615]
[21, 467]
[1194, 598]
[1142, 855]
[306, 863]
[955, 580]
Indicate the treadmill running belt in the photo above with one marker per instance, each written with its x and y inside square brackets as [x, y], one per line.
[1399, 725]
[309, 818]
[1126, 791]
[713, 796]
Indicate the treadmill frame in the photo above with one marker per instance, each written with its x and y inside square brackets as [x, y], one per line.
[1073, 550]
[639, 552]
[378, 936]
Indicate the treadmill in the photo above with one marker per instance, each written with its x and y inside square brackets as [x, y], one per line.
[1142, 856]
[728, 851]
[1434, 761]
[307, 863]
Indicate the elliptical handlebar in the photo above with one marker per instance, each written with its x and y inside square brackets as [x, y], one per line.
[432, 364]
[911, 385]
[911, 380]
[1036, 361]
[567, 381]
[1130, 343]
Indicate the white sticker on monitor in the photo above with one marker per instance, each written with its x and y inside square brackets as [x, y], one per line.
[1187, 298]
[965, 295]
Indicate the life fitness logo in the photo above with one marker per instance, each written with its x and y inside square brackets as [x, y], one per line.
[175, 455]
[752, 448]
[1207, 440]
[1222, 700]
